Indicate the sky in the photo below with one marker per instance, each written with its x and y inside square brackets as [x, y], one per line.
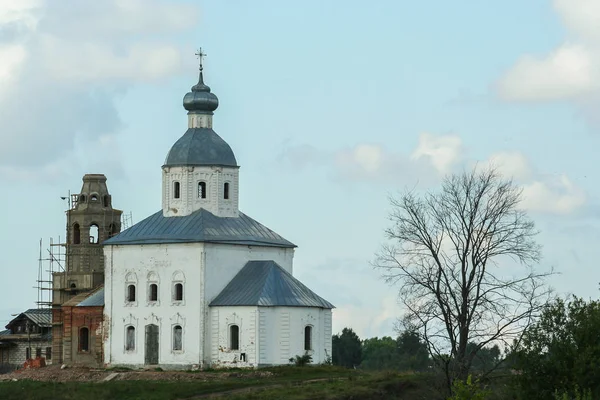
[330, 108]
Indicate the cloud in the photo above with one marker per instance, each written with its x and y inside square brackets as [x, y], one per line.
[570, 71]
[557, 195]
[64, 64]
[442, 151]
[434, 157]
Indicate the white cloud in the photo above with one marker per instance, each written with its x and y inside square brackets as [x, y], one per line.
[442, 151]
[369, 321]
[570, 71]
[558, 195]
[63, 64]
[511, 164]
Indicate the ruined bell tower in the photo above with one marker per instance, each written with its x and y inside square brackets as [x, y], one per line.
[91, 219]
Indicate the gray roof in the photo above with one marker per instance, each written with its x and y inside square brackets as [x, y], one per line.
[39, 316]
[200, 146]
[5, 332]
[200, 226]
[96, 299]
[265, 283]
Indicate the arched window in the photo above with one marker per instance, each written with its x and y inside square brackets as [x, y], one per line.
[226, 190]
[201, 190]
[153, 292]
[81, 198]
[176, 193]
[94, 233]
[234, 337]
[130, 293]
[130, 339]
[178, 295]
[84, 339]
[308, 337]
[106, 201]
[76, 234]
[177, 337]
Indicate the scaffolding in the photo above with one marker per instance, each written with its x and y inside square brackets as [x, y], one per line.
[126, 221]
[52, 260]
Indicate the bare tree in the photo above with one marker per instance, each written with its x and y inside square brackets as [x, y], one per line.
[445, 255]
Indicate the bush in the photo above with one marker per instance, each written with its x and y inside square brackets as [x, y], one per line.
[468, 390]
[301, 361]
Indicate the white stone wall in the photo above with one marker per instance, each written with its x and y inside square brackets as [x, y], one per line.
[189, 199]
[163, 265]
[268, 335]
[204, 268]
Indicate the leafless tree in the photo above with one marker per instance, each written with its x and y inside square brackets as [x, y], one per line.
[450, 254]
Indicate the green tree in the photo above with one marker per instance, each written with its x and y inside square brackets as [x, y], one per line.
[445, 252]
[560, 353]
[347, 349]
[380, 353]
[412, 352]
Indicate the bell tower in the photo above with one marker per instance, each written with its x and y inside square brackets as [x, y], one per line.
[91, 219]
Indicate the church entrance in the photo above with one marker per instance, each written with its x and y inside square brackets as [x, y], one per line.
[151, 345]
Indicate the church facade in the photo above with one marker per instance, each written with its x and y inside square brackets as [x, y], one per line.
[201, 283]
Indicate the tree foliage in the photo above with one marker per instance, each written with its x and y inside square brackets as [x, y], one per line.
[445, 252]
[405, 353]
[346, 348]
[560, 353]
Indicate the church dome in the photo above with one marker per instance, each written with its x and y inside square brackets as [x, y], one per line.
[200, 146]
[200, 99]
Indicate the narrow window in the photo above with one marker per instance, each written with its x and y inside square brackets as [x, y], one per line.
[178, 291]
[201, 190]
[131, 293]
[234, 337]
[106, 200]
[130, 339]
[94, 232]
[27, 353]
[177, 337]
[84, 339]
[308, 338]
[226, 190]
[176, 190]
[48, 353]
[153, 292]
[81, 198]
[76, 234]
[38, 352]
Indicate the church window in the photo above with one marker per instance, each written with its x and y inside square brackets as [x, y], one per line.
[81, 198]
[226, 191]
[106, 201]
[177, 338]
[153, 292]
[308, 337]
[94, 197]
[94, 233]
[176, 188]
[130, 293]
[84, 339]
[76, 234]
[201, 190]
[234, 337]
[178, 292]
[130, 339]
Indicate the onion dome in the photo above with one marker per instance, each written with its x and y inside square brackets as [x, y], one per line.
[200, 99]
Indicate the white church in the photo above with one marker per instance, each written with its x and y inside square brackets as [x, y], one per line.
[201, 283]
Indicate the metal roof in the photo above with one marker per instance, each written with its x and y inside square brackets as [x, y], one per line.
[200, 226]
[39, 316]
[200, 146]
[96, 299]
[265, 283]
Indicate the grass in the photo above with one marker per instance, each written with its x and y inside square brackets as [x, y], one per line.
[293, 383]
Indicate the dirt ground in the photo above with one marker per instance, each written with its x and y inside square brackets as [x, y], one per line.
[54, 373]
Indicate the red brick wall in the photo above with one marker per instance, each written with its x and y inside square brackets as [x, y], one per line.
[76, 318]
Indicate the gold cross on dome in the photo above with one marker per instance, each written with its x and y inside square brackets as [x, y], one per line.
[200, 56]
